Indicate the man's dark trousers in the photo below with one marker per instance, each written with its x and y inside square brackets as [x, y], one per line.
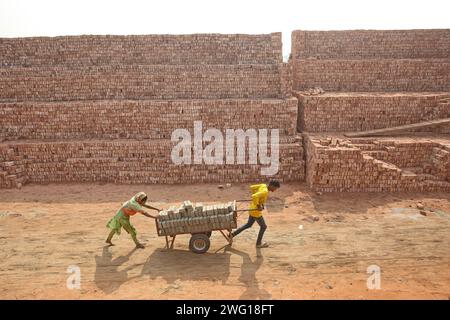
[250, 222]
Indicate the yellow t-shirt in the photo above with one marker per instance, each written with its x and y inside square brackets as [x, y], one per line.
[259, 196]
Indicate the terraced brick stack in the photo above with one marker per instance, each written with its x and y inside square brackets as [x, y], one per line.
[372, 60]
[130, 161]
[351, 111]
[337, 164]
[103, 108]
[372, 79]
[141, 119]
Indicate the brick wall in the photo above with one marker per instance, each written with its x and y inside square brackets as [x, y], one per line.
[372, 60]
[200, 66]
[389, 75]
[103, 108]
[344, 112]
[286, 80]
[93, 50]
[371, 44]
[140, 82]
[335, 164]
[128, 161]
[373, 79]
[12, 167]
[141, 119]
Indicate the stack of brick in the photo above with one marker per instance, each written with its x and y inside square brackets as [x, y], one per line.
[372, 79]
[375, 165]
[287, 82]
[190, 218]
[389, 75]
[372, 60]
[133, 161]
[372, 44]
[103, 108]
[346, 112]
[443, 109]
[143, 119]
[91, 50]
[440, 162]
[12, 168]
[143, 67]
[140, 82]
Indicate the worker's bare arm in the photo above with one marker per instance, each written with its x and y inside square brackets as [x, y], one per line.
[150, 207]
[149, 215]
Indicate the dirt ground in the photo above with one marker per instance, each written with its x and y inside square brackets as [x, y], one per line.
[46, 229]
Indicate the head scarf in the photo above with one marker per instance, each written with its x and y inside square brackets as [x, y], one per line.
[140, 196]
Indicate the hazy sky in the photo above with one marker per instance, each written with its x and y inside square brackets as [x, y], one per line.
[20, 18]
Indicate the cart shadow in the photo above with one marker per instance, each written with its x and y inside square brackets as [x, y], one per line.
[249, 268]
[108, 277]
[179, 265]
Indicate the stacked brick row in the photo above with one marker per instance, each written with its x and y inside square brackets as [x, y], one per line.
[372, 44]
[369, 60]
[389, 75]
[140, 82]
[143, 67]
[404, 153]
[133, 161]
[194, 218]
[95, 50]
[141, 119]
[346, 112]
[371, 165]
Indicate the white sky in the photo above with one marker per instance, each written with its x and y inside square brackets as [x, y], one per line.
[20, 18]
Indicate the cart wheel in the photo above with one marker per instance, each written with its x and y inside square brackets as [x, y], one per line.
[199, 243]
[209, 233]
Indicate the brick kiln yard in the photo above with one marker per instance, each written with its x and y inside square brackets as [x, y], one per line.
[44, 229]
[86, 122]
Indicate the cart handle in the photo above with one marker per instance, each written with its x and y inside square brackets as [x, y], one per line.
[247, 210]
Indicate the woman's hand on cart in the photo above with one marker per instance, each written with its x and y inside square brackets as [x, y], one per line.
[150, 215]
[151, 208]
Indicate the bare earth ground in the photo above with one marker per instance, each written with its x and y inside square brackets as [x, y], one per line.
[45, 229]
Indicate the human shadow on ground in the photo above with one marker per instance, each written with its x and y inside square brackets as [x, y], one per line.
[248, 275]
[173, 265]
[108, 277]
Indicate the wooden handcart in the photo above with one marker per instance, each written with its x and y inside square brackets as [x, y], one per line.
[200, 240]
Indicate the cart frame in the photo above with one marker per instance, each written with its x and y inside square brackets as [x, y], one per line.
[170, 239]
